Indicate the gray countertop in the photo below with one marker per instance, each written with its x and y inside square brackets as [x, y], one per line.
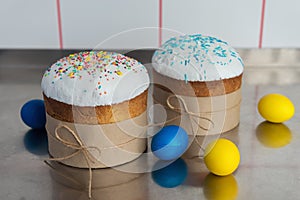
[264, 172]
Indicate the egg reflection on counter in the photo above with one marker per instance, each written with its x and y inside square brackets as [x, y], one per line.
[220, 187]
[36, 142]
[172, 175]
[273, 135]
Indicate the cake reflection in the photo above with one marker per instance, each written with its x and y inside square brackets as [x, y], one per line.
[108, 183]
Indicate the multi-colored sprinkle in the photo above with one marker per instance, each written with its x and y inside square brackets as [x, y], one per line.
[98, 65]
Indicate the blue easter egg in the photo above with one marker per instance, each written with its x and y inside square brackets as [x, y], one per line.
[36, 141]
[33, 114]
[172, 175]
[169, 143]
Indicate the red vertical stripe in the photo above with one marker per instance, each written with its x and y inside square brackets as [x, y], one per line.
[262, 20]
[160, 22]
[59, 24]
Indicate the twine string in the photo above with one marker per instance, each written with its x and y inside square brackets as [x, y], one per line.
[79, 147]
[80, 186]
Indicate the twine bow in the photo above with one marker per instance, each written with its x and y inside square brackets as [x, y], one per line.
[79, 147]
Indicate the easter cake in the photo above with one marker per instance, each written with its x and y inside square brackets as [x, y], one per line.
[96, 107]
[206, 73]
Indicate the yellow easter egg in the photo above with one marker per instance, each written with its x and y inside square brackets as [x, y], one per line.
[220, 187]
[273, 135]
[221, 157]
[276, 108]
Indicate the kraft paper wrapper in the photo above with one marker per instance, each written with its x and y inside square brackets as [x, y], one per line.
[223, 111]
[72, 183]
[119, 142]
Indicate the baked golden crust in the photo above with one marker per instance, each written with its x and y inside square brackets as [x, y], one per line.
[99, 114]
[197, 88]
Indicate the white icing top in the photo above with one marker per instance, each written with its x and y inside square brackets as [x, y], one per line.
[95, 78]
[197, 58]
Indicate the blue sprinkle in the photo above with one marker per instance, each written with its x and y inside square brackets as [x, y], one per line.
[240, 61]
[185, 78]
[170, 51]
[186, 62]
[196, 57]
[199, 48]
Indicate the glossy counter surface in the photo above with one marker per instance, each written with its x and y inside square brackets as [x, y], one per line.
[269, 168]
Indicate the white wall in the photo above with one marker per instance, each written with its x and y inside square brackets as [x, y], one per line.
[116, 24]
